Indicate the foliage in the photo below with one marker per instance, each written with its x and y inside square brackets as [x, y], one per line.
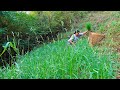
[28, 28]
[58, 61]
[88, 26]
[8, 45]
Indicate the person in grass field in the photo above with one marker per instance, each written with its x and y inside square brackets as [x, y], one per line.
[74, 38]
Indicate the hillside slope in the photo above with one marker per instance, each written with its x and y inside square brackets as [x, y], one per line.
[57, 60]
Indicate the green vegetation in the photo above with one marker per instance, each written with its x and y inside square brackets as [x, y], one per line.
[54, 59]
[37, 27]
[58, 61]
[88, 26]
[7, 46]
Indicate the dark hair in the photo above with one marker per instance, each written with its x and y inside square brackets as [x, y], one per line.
[77, 31]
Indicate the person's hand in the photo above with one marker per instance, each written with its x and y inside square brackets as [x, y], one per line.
[85, 32]
[73, 44]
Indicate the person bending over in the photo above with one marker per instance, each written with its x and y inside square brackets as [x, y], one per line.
[73, 39]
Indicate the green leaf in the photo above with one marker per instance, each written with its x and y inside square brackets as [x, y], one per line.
[6, 45]
[9, 44]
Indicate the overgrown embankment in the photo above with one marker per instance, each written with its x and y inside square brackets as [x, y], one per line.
[30, 30]
[57, 60]
[60, 61]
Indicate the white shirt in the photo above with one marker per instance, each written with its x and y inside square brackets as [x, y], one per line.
[74, 38]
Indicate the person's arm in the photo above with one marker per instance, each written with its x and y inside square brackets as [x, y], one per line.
[85, 32]
[71, 40]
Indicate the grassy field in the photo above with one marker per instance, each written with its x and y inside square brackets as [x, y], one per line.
[57, 60]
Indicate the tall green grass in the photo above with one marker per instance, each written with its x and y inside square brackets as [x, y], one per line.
[88, 26]
[58, 60]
